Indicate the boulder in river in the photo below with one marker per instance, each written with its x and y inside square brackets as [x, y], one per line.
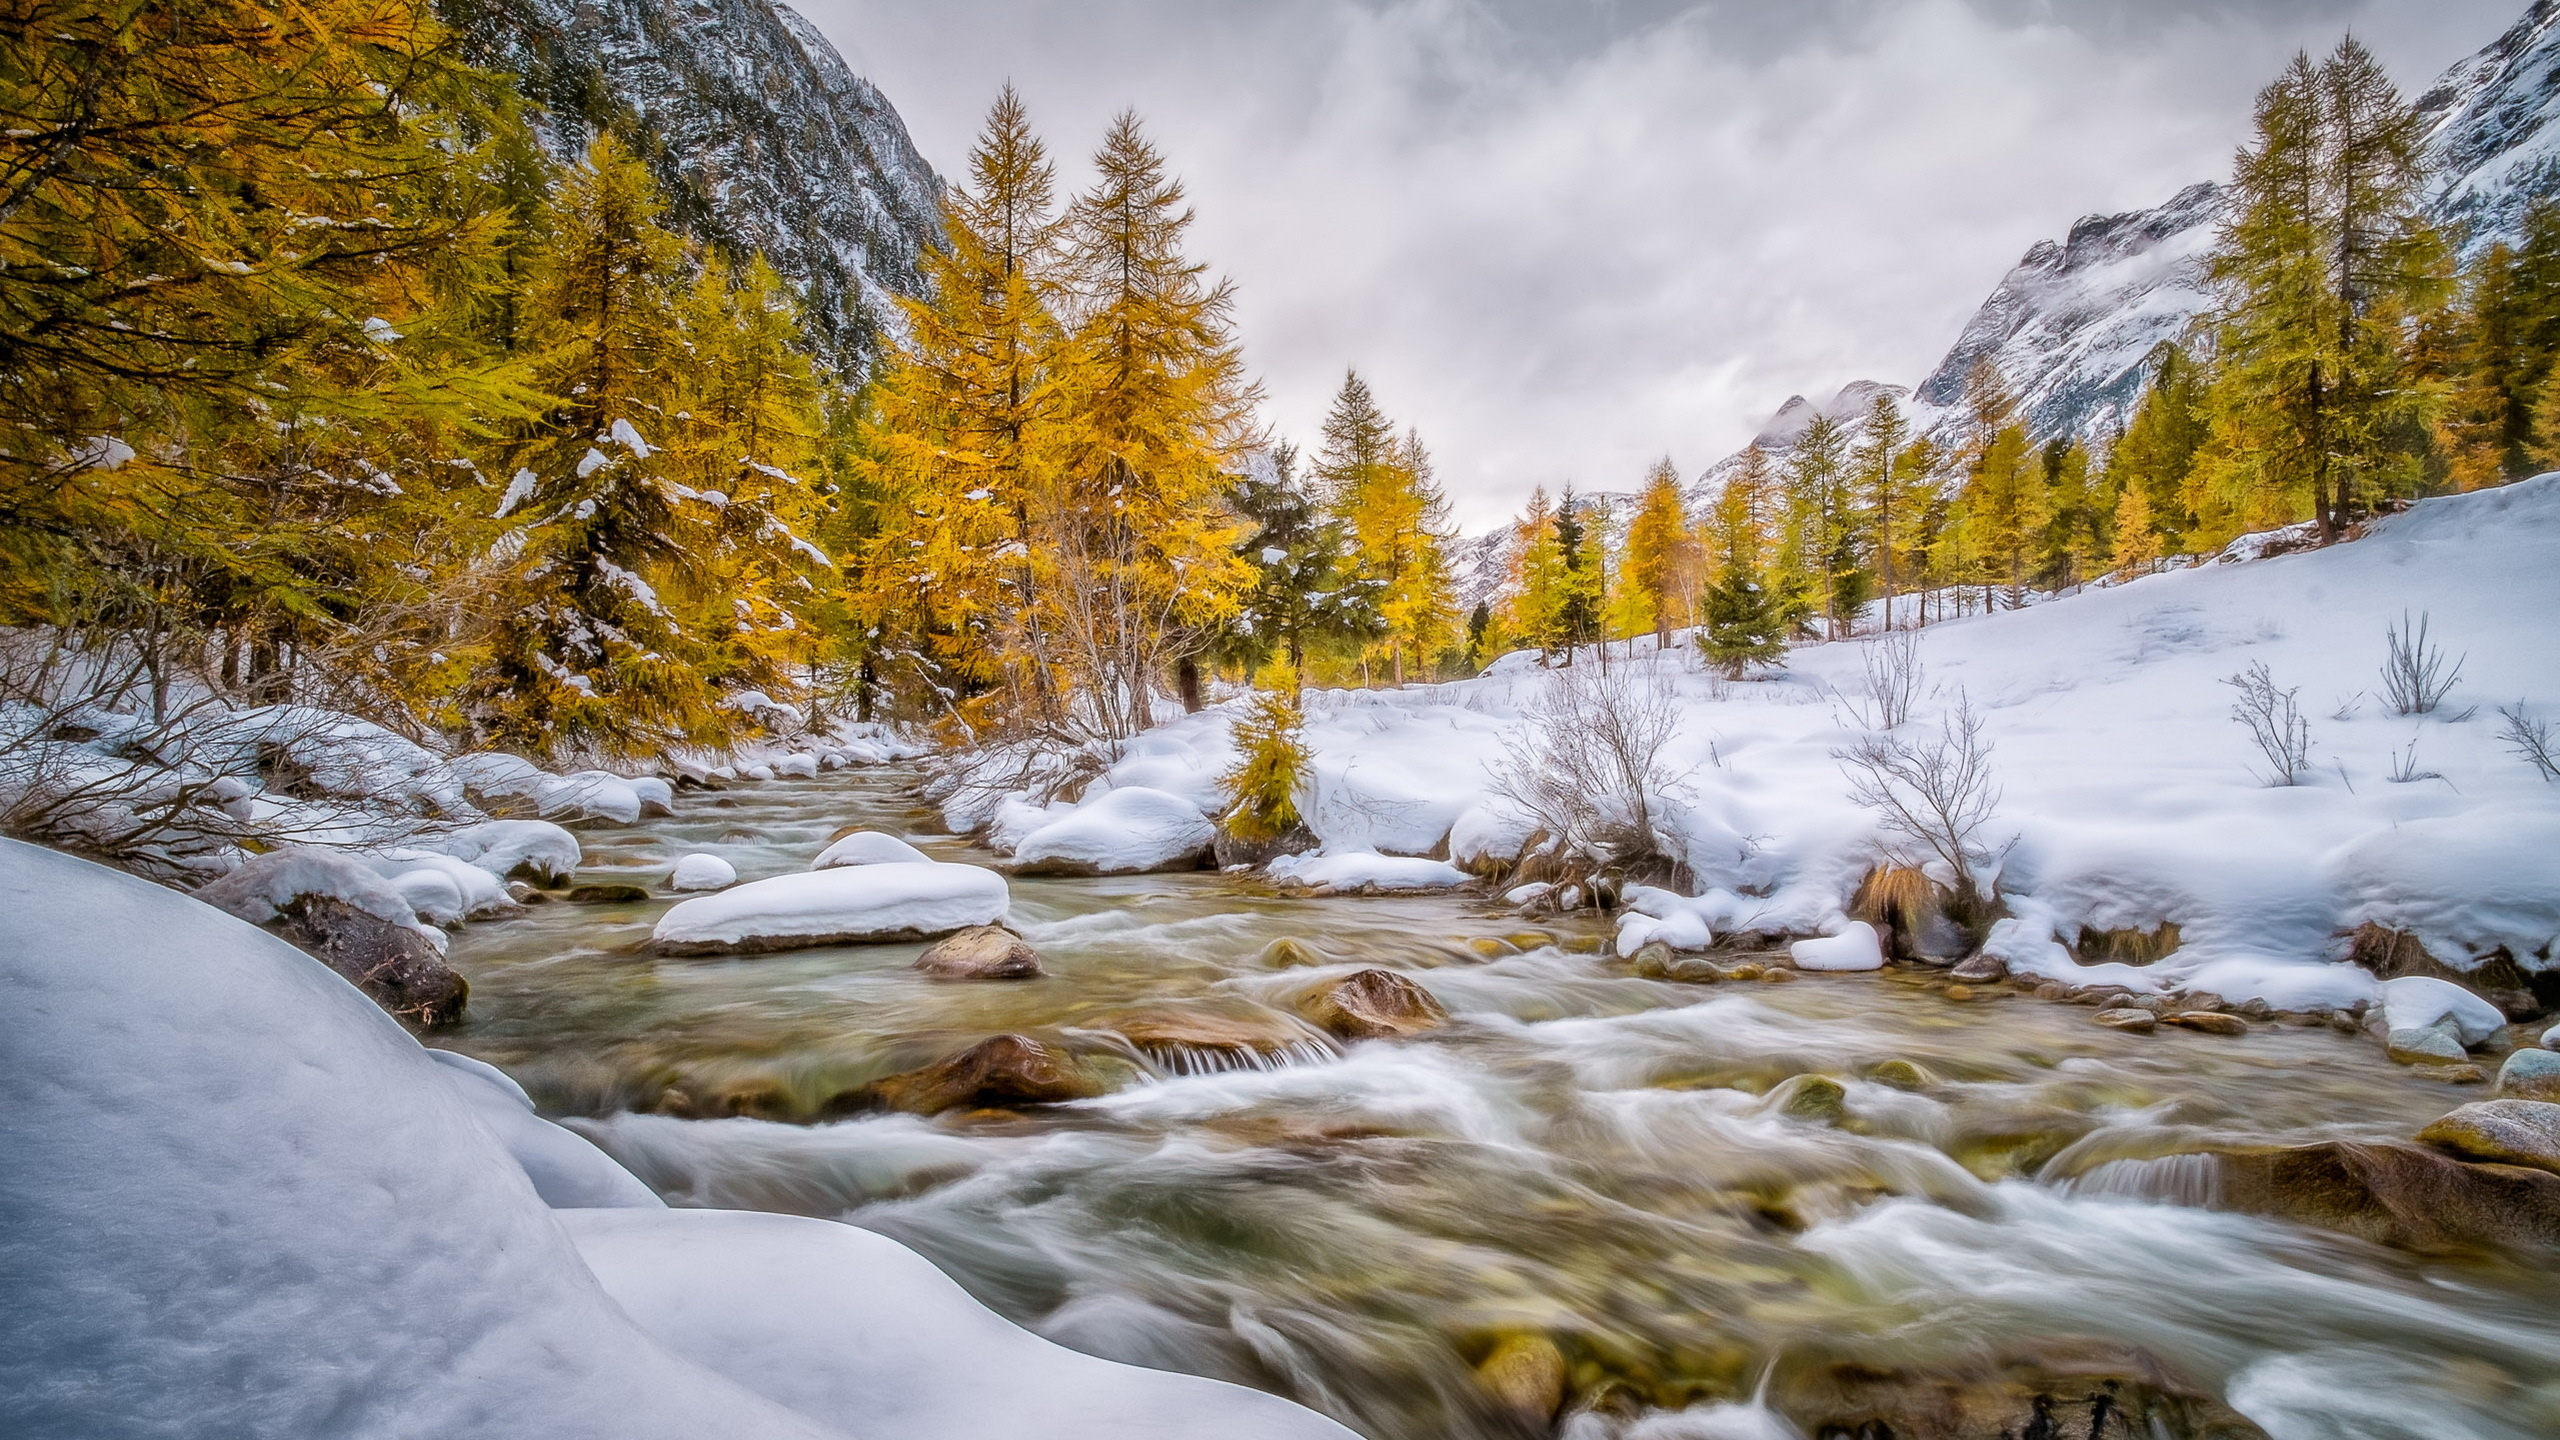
[2437, 1044]
[610, 894]
[981, 952]
[2207, 1022]
[2530, 1075]
[702, 872]
[2502, 1132]
[2136, 1021]
[2416, 1197]
[2061, 1388]
[1375, 1005]
[1980, 970]
[1193, 1039]
[1001, 1070]
[1526, 1375]
[1120, 832]
[847, 905]
[395, 964]
[867, 847]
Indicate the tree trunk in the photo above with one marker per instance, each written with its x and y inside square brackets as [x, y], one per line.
[1186, 677]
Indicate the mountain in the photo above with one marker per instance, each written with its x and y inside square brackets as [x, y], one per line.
[2069, 327]
[763, 138]
[2490, 129]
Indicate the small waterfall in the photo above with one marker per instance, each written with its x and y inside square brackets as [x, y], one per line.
[1230, 1059]
[2194, 1181]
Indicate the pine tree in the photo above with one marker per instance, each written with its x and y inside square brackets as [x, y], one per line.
[1582, 596]
[1658, 579]
[1299, 553]
[1820, 556]
[2325, 258]
[2157, 452]
[1879, 488]
[1745, 625]
[1154, 409]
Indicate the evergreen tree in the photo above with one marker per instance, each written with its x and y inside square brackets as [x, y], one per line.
[2157, 452]
[1582, 596]
[1880, 486]
[1154, 409]
[2323, 262]
[1298, 553]
[1820, 555]
[1383, 495]
[1658, 584]
[1745, 625]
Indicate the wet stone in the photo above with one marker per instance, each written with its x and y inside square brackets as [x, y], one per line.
[2451, 1074]
[981, 952]
[1374, 1005]
[1981, 969]
[607, 895]
[1002, 1070]
[2138, 1022]
[1525, 1374]
[2207, 1022]
[2530, 1075]
[1902, 1075]
[2503, 1132]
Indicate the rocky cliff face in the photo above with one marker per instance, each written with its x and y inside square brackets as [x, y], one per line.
[2490, 129]
[761, 135]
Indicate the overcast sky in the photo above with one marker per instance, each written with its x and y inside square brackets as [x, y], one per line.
[1564, 237]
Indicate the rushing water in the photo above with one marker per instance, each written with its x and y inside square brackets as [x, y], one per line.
[1624, 1166]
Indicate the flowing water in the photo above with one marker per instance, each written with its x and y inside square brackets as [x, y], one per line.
[1628, 1168]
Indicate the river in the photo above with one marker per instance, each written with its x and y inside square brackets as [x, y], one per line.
[1623, 1169]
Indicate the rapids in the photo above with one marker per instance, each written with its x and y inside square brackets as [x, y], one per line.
[1632, 1169]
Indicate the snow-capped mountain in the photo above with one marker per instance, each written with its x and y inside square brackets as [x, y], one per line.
[763, 137]
[2070, 326]
[2490, 128]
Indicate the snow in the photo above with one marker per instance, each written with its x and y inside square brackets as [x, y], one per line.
[702, 872]
[588, 795]
[851, 1327]
[627, 436]
[869, 847]
[520, 488]
[1652, 913]
[1854, 948]
[462, 891]
[1367, 869]
[1122, 831]
[2414, 1002]
[502, 847]
[265, 885]
[240, 1200]
[2128, 798]
[842, 905]
[495, 775]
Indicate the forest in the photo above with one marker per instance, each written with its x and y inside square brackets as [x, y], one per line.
[323, 378]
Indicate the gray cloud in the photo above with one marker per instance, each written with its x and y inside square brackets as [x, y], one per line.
[1566, 237]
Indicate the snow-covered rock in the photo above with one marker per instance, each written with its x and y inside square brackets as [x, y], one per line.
[540, 849]
[1854, 948]
[496, 775]
[1124, 831]
[2490, 131]
[588, 795]
[239, 1200]
[264, 886]
[1652, 913]
[656, 796]
[478, 895]
[869, 847]
[702, 872]
[2415, 1002]
[843, 905]
[1367, 870]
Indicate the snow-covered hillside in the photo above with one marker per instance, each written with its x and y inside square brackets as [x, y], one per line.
[762, 135]
[2130, 795]
[2490, 128]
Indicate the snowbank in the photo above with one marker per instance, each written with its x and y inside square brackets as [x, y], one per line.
[846, 905]
[869, 847]
[538, 848]
[240, 1200]
[1854, 948]
[1367, 870]
[1123, 831]
[2129, 796]
[266, 885]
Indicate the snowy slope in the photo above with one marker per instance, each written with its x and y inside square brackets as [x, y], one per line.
[762, 135]
[239, 1200]
[2130, 796]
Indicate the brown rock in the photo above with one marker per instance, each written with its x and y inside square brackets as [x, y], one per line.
[2505, 1132]
[2412, 1196]
[1776, 975]
[2062, 1388]
[2530, 1075]
[2138, 1022]
[2207, 1022]
[1526, 1374]
[1289, 951]
[1375, 1004]
[607, 895]
[981, 952]
[1901, 1074]
[394, 964]
[2053, 990]
[1002, 1070]
[2390, 954]
[1980, 970]
[1191, 1040]
[2465, 1074]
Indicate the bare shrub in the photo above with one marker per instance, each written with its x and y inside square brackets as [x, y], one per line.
[2274, 720]
[1938, 793]
[2404, 765]
[1589, 768]
[2414, 677]
[1893, 680]
[2531, 740]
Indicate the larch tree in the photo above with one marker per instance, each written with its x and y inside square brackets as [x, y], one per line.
[1154, 409]
[1658, 576]
[2157, 452]
[2324, 261]
[1879, 485]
